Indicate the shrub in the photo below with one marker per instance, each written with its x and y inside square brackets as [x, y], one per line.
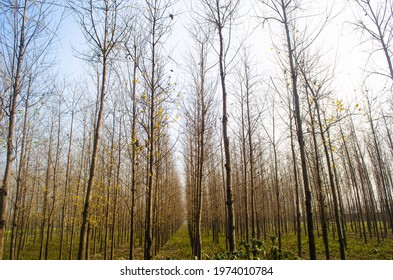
[255, 250]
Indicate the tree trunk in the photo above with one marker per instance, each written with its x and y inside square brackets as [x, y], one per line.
[228, 186]
[66, 186]
[318, 180]
[16, 88]
[82, 252]
[300, 136]
[133, 155]
[332, 183]
[295, 173]
[46, 192]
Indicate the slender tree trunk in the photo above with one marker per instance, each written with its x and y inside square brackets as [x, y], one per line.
[318, 181]
[228, 186]
[82, 252]
[21, 172]
[46, 192]
[78, 185]
[16, 88]
[133, 155]
[115, 213]
[300, 136]
[355, 184]
[332, 184]
[54, 191]
[295, 173]
[339, 195]
[66, 186]
[380, 172]
[151, 155]
[26, 205]
[251, 155]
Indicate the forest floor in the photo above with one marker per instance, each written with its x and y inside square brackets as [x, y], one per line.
[178, 248]
[356, 249]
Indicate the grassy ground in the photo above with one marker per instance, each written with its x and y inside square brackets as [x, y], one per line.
[178, 247]
[31, 251]
[356, 248]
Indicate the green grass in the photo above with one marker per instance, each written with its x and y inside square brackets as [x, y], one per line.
[31, 251]
[356, 248]
[178, 247]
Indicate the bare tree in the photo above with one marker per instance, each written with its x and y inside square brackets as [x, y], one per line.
[375, 22]
[317, 87]
[284, 12]
[250, 117]
[158, 24]
[221, 14]
[105, 30]
[135, 53]
[274, 142]
[27, 34]
[199, 123]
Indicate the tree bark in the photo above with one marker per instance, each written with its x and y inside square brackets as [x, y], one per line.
[228, 186]
[16, 88]
[300, 135]
[82, 252]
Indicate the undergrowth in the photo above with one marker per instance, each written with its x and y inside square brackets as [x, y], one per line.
[255, 250]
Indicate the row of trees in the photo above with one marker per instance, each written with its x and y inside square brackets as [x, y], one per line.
[93, 165]
[303, 160]
[89, 165]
